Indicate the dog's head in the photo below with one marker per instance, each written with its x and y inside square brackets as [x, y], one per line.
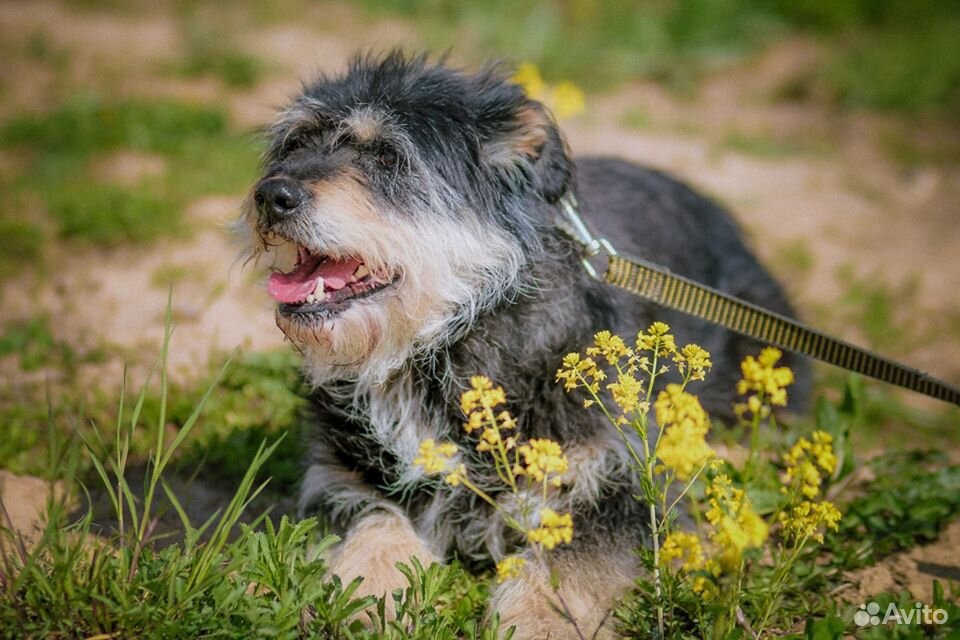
[398, 201]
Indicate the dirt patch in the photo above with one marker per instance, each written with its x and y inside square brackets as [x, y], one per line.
[128, 168]
[119, 297]
[91, 34]
[24, 500]
[913, 571]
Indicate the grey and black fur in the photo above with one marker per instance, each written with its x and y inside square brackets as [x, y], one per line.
[446, 184]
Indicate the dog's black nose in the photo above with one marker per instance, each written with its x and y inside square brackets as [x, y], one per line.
[277, 198]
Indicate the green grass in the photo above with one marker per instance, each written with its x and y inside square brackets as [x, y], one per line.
[87, 124]
[211, 52]
[203, 156]
[772, 146]
[877, 54]
[108, 215]
[883, 311]
[258, 397]
[21, 245]
[40, 49]
[916, 146]
[906, 505]
[901, 71]
[795, 257]
[891, 55]
[221, 578]
[234, 68]
[597, 44]
[635, 118]
[35, 346]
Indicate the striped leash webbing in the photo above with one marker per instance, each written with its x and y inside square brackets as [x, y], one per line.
[687, 296]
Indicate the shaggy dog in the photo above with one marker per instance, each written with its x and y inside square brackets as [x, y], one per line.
[408, 212]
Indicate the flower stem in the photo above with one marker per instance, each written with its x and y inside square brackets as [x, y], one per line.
[656, 567]
[780, 576]
[648, 468]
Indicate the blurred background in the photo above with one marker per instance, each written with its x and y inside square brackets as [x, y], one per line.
[128, 138]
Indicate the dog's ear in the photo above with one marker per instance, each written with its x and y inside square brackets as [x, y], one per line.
[530, 148]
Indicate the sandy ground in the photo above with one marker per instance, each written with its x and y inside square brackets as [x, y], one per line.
[842, 199]
[914, 570]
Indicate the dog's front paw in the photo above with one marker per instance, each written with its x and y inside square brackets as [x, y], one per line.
[372, 549]
[579, 609]
[536, 613]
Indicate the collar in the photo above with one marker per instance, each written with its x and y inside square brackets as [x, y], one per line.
[574, 226]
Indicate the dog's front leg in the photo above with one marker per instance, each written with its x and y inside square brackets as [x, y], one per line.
[372, 548]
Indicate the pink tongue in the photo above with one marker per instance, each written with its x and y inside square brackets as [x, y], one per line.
[295, 286]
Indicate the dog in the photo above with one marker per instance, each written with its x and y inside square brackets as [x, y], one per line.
[408, 212]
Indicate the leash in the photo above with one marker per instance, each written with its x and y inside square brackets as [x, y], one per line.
[667, 289]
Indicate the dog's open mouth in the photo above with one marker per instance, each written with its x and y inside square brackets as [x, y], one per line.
[321, 283]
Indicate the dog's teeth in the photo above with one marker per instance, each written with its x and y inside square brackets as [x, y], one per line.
[318, 291]
[311, 298]
[361, 272]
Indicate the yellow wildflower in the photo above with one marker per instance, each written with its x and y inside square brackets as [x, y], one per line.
[510, 567]
[455, 477]
[722, 496]
[760, 376]
[733, 536]
[683, 451]
[674, 405]
[506, 420]
[805, 461]
[542, 457]
[529, 78]
[658, 338]
[577, 371]
[565, 99]
[481, 395]
[554, 529]
[695, 359]
[626, 392]
[753, 405]
[659, 329]
[489, 439]
[736, 526]
[806, 518]
[433, 457]
[682, 448]
[822, 451]
[685, 547]
[475, 421]
[610, 346]
[703, 585]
